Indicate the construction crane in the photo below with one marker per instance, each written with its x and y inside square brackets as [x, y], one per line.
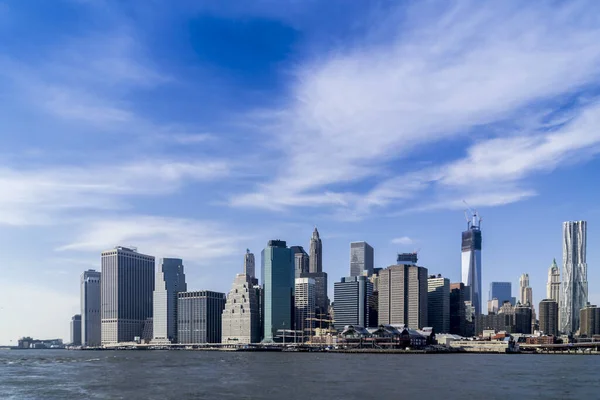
[473, 218]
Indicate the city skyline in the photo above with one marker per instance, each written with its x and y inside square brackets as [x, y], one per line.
[248, 255]
[122, 128]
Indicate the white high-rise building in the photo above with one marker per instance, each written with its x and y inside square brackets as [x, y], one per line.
[170, 280]
[241, 316]
[471, 262]
[574, 286]
[90, 309]
[126, 294]
[526, 296]
[553, 286]
[525, 291]
[304, 305]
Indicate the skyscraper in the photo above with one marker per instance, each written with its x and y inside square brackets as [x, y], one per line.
[553, 286]
[549, 317]
[351, 301]
[316, 253]
[249, 265]
[170, 280]
[438, 303]
[322, 300]
[471, 262]
[76, 330]
[91, 326]
[525, 291]
[127, 285]
[590, 321]
[523, 316]
[278, 286]
[199, 316]
[407, 258]
[361, 258]
[241, 316]
[493, 306]
[502, 291]
[458, 319]
[403, 296]
[574, 287]
[301, 261]
[304, 305]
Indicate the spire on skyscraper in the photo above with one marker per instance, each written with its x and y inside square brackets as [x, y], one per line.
[316, 252]
[249, 264]
[553, 285]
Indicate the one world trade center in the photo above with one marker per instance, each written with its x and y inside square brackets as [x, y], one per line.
[471, 261]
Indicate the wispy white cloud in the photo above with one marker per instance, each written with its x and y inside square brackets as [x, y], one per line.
[510, 159]
[37, 196]
[190, 138]
[357, 110]
[495, 171]
[404, 241]
[87, 78]
[77, 105]
[198, 241]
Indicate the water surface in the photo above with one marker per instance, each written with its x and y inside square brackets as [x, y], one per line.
[62, 374]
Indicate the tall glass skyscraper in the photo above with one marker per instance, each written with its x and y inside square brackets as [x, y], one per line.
[351, 301]
[438, 303]
[574, 287]
[361, 258]
[278, 286]
[501, 291]
[170, 280]
[471, 262]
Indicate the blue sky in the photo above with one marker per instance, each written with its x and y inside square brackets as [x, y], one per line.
[200, 129]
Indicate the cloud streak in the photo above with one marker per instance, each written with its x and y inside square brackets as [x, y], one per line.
[193, 240]
[359, 111]
[39, 196]
[404, 241]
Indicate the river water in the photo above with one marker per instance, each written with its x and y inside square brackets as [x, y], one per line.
[62, 374]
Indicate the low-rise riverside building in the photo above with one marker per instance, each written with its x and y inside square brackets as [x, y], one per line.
[384, 337]
[485, 346]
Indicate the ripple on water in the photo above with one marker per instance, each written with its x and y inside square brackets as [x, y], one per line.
[133, 375]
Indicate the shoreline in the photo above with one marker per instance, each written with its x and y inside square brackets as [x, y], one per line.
[318, 350]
